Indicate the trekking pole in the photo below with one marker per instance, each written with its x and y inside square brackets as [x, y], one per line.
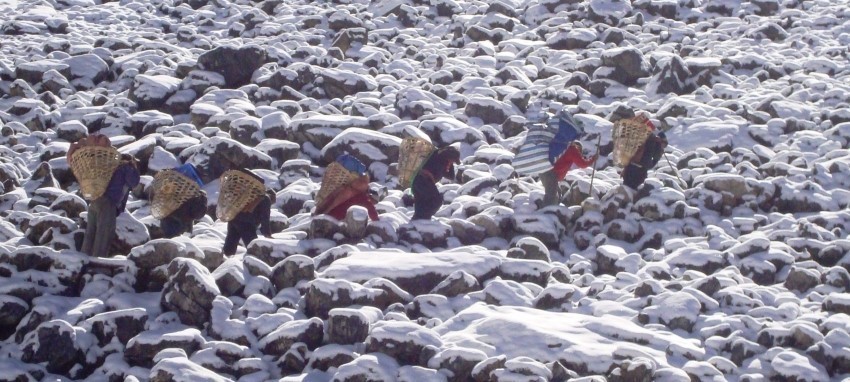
[593, 174]
[675, 171]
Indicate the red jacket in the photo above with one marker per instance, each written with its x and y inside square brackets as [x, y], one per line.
[571, 157]
[361, 199]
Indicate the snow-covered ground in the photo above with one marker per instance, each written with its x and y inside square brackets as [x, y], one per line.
[730, 263]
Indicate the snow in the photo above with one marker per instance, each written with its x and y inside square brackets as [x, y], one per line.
[702, 266]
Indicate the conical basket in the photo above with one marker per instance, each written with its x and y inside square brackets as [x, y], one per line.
[336, 176]
[170, 190]
[628, 135]
[411, 156]
[93, 167]
[237, 191]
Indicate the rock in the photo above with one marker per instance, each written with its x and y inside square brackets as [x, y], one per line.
[122, 324]
[326, 294]
[362, 143]
[628, 63]
[153, 256]
[607, 257]
[533, 249]
[340, 84]
[801, 279]
[218, 155]
[532, 271]
[12, 311]
[556, 297]
[151, 92]
[86, 70]
[488, 110]
[180, 368]
[347, 326]
[33, 71]
[457, 284]
[672, 76]
[143, 349]
[680, 310]
[189, 292]
[230, 276]
[432, 233]
[308, 331]
[468, 233]
[766, 7]
[459, 361]
[53, 343]
[633, 370]
[404, 341]
[236, 65]
[482, 372]
[837, 303]
[289, 272]
[347, 38]
[71, 131]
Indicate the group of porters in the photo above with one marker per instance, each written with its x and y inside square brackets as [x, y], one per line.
[176, 197]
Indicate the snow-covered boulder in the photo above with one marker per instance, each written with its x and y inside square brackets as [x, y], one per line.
[367, 145]
[308, 331]
[406, 342]
[292, 270]
[189, 292]
[53, 343]
[143, 349]
[151, 92]
[236, 65]
[350, 326]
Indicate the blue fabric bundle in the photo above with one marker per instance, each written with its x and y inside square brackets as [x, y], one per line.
[351, 164]
[189, 170]
[567, 132]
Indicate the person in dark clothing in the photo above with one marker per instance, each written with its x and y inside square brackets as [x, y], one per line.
[427, 199]
[244, 225]
[184, 217]
[646, 157]
[103, 211]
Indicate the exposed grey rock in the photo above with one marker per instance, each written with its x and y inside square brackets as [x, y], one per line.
[237, 65]
[293, 269]
[308, 331]
[189, 292]
[53, 343]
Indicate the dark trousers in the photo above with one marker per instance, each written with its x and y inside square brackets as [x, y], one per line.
[100, 227]
[173, 226]
[427, 198]
[246, 232]
[634, 175]
[550, 188]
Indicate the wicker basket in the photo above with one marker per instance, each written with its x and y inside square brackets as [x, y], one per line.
[411, 156]
[628, 135]
[93, 167]
[336, 176]
[237, 191]
[170, 190]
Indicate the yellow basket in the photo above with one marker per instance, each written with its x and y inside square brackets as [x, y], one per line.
[336, 176]
[170, 190]
[93, 167]
[238, 190]
[411, 155]
[628, 135]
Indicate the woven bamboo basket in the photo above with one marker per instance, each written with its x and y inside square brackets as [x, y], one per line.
[93, 167]
[170, 190]
[628, 136]
[411, 156]
[336, 176]
[237, 191]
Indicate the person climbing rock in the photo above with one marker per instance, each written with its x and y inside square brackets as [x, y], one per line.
[571, 158]
[256, 214]
[426, 197]
[355, 193]
[183, 218]
[103, 211]
[645, 158]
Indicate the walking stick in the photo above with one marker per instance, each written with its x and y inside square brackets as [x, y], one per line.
[593, 174]
[675, 171]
